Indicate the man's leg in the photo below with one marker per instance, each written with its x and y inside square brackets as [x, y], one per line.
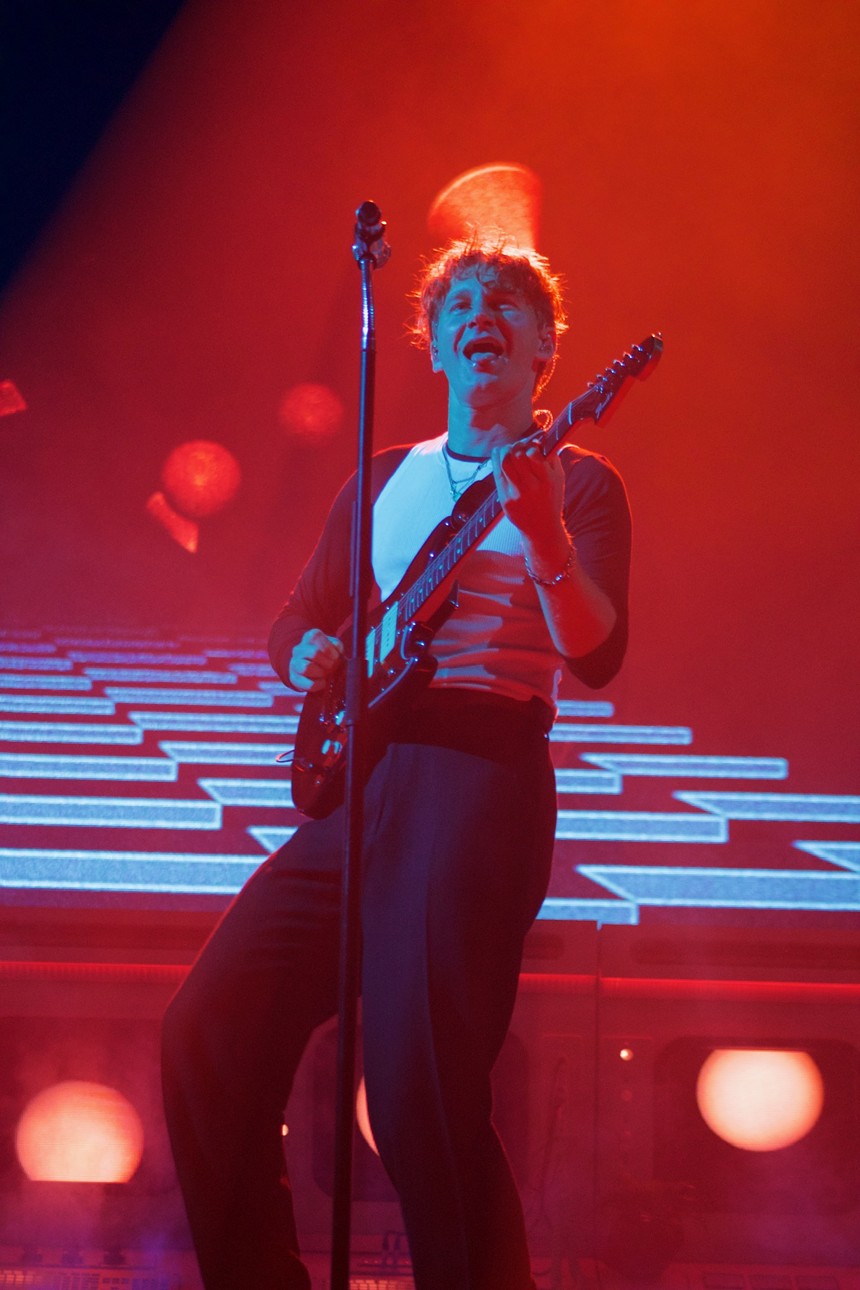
[459, 865]
[233, 1037]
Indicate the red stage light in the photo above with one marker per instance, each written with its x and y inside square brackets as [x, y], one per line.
[77, 1131]
[502, 198]
[11, 399]
[200, 478]
[311, 411]
[758, 1099]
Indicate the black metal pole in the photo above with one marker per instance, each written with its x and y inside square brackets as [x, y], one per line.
[370, 251]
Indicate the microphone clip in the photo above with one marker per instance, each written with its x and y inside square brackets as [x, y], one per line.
[370, 243]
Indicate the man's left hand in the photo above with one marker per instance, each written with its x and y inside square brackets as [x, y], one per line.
[530, 488]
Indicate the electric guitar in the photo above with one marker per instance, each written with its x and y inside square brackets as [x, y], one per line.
[402, 627]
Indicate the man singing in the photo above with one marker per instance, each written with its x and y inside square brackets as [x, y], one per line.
[459, 820]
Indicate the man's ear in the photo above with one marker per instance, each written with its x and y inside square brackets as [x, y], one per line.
[434, 359]
[546, 345]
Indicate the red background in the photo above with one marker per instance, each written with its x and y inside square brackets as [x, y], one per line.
[699, 174]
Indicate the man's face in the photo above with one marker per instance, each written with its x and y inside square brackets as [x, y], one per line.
[488, 342]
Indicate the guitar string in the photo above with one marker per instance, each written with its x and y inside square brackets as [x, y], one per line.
[484, 515]
[486, 512]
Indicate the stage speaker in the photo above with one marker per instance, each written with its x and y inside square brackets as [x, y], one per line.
[85, 1164]
[728, 1106]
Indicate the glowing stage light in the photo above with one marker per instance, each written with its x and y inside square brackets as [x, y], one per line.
[757, 1099]
[11, 399]
[79, 1132]
[185, 532]
[362, 1117]
[502, 198]
[311, 411]
[200, 477]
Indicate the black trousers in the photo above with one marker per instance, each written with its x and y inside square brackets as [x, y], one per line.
[459, 826]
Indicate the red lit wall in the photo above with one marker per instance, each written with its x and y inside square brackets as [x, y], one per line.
[699, 177]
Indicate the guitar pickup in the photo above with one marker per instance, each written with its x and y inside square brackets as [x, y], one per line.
[388, 632]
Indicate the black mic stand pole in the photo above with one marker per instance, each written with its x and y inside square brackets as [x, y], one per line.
[371, 252]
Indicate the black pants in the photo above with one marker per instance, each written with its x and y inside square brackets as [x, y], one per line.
[459, 821]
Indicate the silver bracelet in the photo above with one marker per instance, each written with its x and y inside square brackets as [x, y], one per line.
[559, 577]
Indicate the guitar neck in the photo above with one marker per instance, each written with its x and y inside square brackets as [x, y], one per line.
[591, 403]
[483, 518]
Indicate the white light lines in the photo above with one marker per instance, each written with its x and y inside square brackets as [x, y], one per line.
[215, 723]
[564, 732]
[846, 854]
[570, 780]
[685, 766]
[185, 697]
[46, 868]
[173, 708]
[818, 807]
[249, 792]
[62, 704]
[219, 752]
[52, 766]
[561, 908]
[108, 812]
[38, 681]
[181, 676]
[270, 838]
[68, 732]
[640, 826]
[722, 888]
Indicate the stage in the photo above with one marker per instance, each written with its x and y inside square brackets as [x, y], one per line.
[679, 1094]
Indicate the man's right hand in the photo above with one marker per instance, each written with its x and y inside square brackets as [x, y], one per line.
[314, 659]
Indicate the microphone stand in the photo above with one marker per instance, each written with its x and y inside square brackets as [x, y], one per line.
[371, 251]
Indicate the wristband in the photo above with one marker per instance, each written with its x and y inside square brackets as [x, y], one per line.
[559, 577]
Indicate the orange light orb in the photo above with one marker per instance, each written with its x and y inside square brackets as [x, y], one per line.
[311, 411]
[758, 1099]
[362, 1117]
[498, 199]
[79, 1132]
[200, 478]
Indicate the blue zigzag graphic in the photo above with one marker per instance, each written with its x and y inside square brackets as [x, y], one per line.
[190, 728]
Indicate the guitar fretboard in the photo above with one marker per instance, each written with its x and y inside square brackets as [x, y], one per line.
[482, 520]
[451, 554]
[591, 403]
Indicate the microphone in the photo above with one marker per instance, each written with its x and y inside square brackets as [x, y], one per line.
[370, 243]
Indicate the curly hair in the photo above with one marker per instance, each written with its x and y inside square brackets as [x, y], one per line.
[512, 267]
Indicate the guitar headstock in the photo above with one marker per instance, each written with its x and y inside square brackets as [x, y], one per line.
[640, 361]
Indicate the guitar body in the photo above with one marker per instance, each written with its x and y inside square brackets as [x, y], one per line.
[319, 764]
[401, 631]
[399, 666]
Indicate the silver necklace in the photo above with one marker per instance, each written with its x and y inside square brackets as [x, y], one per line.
[459, 486]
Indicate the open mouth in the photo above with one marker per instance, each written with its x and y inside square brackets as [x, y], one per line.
[483, 347]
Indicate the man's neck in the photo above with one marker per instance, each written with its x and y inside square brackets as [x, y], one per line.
[474, 432]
